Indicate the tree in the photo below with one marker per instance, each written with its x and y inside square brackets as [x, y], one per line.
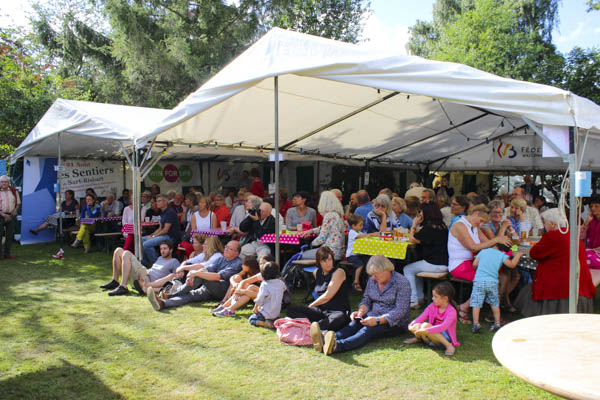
[155, 52]
[582, 73]
[593, 5]
[28, 86]
[490, 36]
[509, 38]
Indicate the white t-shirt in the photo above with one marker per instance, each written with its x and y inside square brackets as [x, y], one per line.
[352, 234]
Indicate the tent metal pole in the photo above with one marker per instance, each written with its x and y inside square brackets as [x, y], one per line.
[59, 203]
[573, 222]
[149, 167]
[276, 120]
[137, 226]
[337, 121]
[573, 233]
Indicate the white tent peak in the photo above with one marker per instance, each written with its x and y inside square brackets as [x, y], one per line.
[88, 129]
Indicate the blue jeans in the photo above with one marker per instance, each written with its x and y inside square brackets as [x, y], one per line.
[149, 255]
[416, 283]
[355, 335]
[254, 318]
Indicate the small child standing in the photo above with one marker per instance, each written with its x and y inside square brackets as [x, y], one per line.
[485, 285]
[356, 222]
[440, 328]
[267, 305]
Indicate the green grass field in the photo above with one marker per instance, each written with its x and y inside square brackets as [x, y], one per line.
[64, 338]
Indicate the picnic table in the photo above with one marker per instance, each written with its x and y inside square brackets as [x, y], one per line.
[288, 237]
[558, 353]
[128, 228]
[210, 232]
[373, 245]
[92, 221]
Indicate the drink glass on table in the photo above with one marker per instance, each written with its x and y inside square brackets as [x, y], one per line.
[299, 227]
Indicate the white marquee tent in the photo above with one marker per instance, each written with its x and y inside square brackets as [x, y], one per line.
[299, 93]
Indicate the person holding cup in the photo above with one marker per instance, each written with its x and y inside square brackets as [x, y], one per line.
[221, 211]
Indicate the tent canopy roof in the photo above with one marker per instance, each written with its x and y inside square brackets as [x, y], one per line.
[339, 99]
[87, 129]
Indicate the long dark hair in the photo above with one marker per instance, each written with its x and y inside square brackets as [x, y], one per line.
[446, 289]
[432, 216]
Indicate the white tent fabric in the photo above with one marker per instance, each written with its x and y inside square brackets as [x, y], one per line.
[88, 129]
[344, 100]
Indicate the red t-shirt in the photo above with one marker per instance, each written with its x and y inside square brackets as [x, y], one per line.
[283, 208]
[257, 189]
[223, 214]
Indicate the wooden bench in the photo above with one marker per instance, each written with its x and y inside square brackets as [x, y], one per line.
[110, 239]
[428, 278]
[461, 285]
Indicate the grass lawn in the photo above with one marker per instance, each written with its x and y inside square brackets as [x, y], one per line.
[62, 337]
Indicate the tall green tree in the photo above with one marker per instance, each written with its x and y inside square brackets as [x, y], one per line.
[510, 38]
[155, 52]
[582, 73]
[28, 86]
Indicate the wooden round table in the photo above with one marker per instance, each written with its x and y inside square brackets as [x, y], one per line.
[559, 353]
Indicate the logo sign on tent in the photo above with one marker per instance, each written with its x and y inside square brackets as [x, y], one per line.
[173, 174]
[517, 150]
[102, 176]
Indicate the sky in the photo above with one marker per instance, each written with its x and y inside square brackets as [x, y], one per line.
[387, 26]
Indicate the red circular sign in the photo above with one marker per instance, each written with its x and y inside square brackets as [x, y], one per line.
[171, 173]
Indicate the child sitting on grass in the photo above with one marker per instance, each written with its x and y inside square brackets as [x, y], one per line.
[440, 328]
[356, 222]
[485, 285]
[268, 302]
[242, 291]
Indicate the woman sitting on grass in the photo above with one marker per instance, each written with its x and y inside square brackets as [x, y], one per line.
[441, 316]
[384, 310]
[212, 252]
[240, 291]
[330, 310]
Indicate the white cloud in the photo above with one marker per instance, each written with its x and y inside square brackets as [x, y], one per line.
[597, 30]
[378, 36]
[572, 36]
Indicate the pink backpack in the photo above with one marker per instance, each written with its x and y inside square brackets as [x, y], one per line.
[294, 331]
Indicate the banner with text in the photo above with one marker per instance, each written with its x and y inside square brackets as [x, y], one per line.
[102, 176]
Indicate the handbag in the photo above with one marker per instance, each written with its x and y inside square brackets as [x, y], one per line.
[593, 258]
[294, 331]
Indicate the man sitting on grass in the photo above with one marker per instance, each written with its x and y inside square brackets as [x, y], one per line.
[125, 263]
[207, 283]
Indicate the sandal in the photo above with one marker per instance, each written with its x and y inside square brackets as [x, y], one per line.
[449, 353]
[356, 286]
[412, 340]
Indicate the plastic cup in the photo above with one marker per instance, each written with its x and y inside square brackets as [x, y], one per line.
[223, 225]
[299, 227]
